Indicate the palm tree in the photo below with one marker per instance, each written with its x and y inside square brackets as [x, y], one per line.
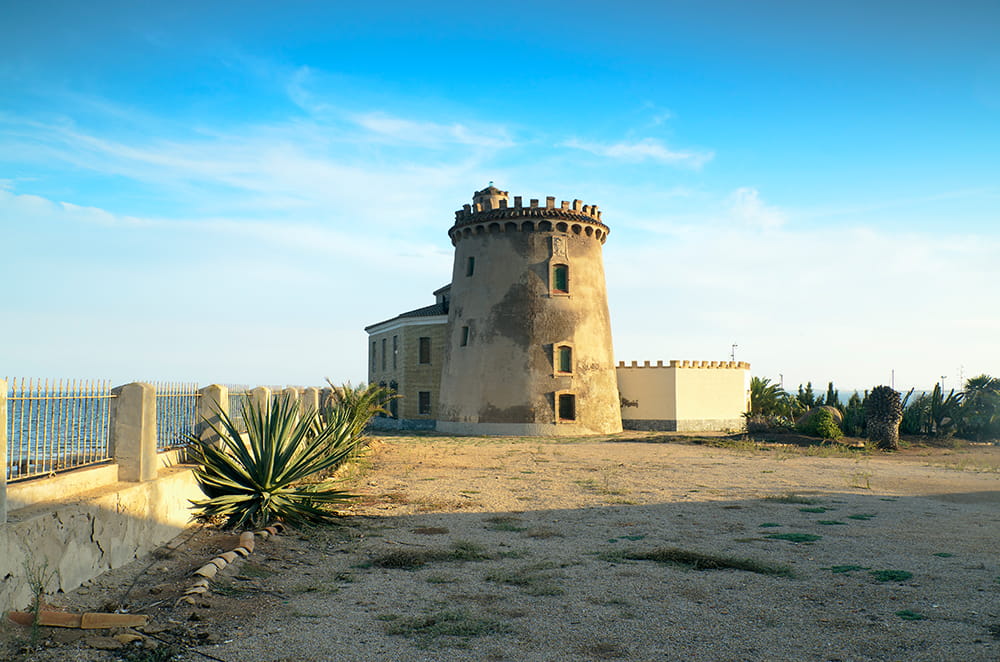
[765, 397]
[944, 411]
[883, 414]
[980, 412]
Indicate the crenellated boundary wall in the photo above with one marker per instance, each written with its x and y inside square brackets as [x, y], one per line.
[684, 396]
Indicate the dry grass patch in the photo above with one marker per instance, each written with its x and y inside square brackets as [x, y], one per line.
[700, 561]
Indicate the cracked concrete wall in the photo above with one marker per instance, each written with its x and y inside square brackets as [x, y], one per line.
[90, 533]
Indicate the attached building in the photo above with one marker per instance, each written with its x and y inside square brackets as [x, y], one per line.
[406, 353]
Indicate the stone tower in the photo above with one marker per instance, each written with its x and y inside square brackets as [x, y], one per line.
[528, 343]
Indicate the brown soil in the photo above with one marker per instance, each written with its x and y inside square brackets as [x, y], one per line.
[518, 549]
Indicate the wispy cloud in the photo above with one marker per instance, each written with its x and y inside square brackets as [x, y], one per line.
[432, 134]
[647, 149]
[746, 205]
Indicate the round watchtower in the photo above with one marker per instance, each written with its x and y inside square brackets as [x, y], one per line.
[528, 349]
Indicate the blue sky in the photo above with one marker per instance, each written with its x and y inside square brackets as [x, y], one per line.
[230, 193]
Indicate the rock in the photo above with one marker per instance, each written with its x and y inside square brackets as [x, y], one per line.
[102, 643]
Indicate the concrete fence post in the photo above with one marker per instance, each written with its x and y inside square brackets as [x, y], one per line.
[214, 401]
[261, 398]
[133, 431]
[290, 394]
[3, 451]
[310, 399]
[326, 397]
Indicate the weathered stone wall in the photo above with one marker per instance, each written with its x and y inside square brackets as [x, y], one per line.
[506, 318]
[80, 536]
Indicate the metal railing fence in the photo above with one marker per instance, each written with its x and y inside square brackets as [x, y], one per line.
[176, 413]
[56, 426]
[238, 393]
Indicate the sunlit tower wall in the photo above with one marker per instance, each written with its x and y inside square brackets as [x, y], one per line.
[528, 348]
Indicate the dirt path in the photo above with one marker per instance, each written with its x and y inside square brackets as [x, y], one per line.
[519, 549]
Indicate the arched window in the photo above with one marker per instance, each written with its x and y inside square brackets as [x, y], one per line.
[560, 278]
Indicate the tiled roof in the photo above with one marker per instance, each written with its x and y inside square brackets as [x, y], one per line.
[432, 310]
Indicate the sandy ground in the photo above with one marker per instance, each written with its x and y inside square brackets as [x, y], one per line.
[517, 549]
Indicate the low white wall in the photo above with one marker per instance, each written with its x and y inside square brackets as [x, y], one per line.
[79, 536]
[683, 395]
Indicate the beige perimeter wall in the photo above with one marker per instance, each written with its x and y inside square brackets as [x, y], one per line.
[684, 395]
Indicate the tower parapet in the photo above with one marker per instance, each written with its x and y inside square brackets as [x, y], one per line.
[491, 205]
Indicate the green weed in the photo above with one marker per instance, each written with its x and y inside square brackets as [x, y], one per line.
[831, 522]
[536, 579]
[891, 575]
[504, 523]
[795, 537]
[864, 517]
[818, 509]
[944, 555]
[846, 568]
[909, 615]
[767, 525]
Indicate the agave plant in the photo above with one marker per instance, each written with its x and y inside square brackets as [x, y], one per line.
[256, 478]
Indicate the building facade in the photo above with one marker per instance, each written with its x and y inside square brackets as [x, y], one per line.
[406, 353]
[519, 343]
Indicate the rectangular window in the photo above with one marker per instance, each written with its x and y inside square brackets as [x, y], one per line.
[425, 350]
[465, 336]
[470, 266]
[373, 355]
[423, 402]
[395, 351]
[564, 359]
[383, 353]
[560, 278]
[567, 406]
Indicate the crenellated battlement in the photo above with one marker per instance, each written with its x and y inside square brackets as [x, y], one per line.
[731, 365]
[485, 204]
[491, 212]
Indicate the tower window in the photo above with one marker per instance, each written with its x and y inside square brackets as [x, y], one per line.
[394, 403]
[395, 352]
[560, 279]
[374, 353]
[564, 359]
[470, 266]
[465, 336]
[566, 406]
[423, 402]
[424, 352]
[383, 353]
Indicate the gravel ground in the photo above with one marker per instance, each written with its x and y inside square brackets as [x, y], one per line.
[519, 549]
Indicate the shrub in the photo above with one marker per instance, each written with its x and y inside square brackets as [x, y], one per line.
[258, 477]
[820, 423]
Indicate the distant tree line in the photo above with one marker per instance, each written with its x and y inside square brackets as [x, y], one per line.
[972, 413]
